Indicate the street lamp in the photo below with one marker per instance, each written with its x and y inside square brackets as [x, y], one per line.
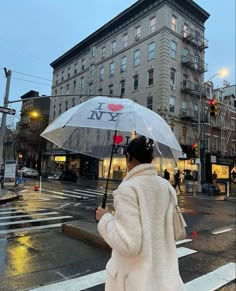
[223, 72]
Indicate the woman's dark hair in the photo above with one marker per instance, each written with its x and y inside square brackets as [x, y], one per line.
[141, 149]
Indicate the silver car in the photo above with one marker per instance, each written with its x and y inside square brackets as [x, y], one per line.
[28, 172]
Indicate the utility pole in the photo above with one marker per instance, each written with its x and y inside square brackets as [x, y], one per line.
[4, 115]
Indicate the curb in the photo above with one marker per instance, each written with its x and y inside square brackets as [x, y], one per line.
[10, 196]
[85, 231]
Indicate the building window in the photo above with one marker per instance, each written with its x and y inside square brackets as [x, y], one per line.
[100, 90]
[67, 88]
[90, 88]
[55, 92]
[123, 64]
[150, 102]
[173, 49]
[66, 105]
[113, 47]
[122, 87]
[183, 135]
[59, 108]
[83, 64]
[150, 77]
[62, 76]
[125, 40]
[61, 90]
[137, 33]
[103, 52]
[74, 85]
[82, 83]
[73, 102]
[174, 23]
[233, 149]
[172, 77]
[137, 57]
[172, 104]
[151, 51]
[101, 74]
[111, 89]
[56, 79]
[68, 72]
[92, 51]
[185, 31]
[152, 24]
[75, 69]
[112, 69]
[135, 82]
[215, 145]
[92, 70]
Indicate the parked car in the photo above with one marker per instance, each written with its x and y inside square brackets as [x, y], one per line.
[28, 172]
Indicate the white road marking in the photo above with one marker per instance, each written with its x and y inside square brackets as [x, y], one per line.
[182, 252]
[213, 280]
[67, 195]
[28, 215]
[60, 274]
[20, 211]
[55, 192]
[64, 205]
[77, 204]
[98, 191]
[6, 231]
[208, 282]
[183, 241]
[221, 231]
[35, 220]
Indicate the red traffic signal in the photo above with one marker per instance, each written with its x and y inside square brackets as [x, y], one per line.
[195, 149]
[213, 107]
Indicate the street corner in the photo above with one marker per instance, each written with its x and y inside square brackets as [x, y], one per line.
[7, 196]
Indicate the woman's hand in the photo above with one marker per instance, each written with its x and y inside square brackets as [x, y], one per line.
[100, 212]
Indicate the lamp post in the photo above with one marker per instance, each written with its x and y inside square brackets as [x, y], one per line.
[201, 110]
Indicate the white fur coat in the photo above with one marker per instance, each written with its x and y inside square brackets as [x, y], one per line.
[141, 235]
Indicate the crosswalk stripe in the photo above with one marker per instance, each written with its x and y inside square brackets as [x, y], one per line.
[182, 252]
[213, 280]
[221, 231]
[67, 195]
[98, 191]
[210, 281]
[55, 192]
[35, 220]
[183, 241]
[7, 231]
[20, 211]
[28, 215]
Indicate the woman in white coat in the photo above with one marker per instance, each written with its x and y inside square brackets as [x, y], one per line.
[141, 232]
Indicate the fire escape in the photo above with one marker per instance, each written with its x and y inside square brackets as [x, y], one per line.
[192, 60]
[223, 122]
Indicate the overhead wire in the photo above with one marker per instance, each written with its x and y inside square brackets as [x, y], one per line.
[31, 81]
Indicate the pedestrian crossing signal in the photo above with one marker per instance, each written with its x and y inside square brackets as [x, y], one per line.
[213, 107]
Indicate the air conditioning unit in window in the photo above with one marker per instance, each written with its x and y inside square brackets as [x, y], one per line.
[173, 88]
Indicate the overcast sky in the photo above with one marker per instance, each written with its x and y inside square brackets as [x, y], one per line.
[33, 33]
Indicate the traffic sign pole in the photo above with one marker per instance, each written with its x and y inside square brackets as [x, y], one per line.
[4, 116]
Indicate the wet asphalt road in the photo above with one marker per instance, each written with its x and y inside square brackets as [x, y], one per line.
[30, 259]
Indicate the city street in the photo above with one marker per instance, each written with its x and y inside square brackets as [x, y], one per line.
[35, 252]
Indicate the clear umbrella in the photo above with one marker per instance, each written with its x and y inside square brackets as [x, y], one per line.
[85, 128]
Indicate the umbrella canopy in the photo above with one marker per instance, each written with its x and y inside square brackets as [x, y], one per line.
[71, 130]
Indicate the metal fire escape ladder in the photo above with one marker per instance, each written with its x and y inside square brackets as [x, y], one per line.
[222, 123]
[198, 91]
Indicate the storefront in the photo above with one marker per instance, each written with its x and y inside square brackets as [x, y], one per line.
[219, 165]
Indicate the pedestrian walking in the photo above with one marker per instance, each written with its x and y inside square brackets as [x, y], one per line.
[177, 180]
[141, 231]
[166, 175]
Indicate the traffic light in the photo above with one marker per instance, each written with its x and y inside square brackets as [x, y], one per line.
[195, 149]
[213, 107]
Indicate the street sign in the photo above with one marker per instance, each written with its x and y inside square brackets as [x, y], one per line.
[7, 110]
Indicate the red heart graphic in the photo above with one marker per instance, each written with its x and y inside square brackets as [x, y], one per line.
[118, 139]
[115, 107]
